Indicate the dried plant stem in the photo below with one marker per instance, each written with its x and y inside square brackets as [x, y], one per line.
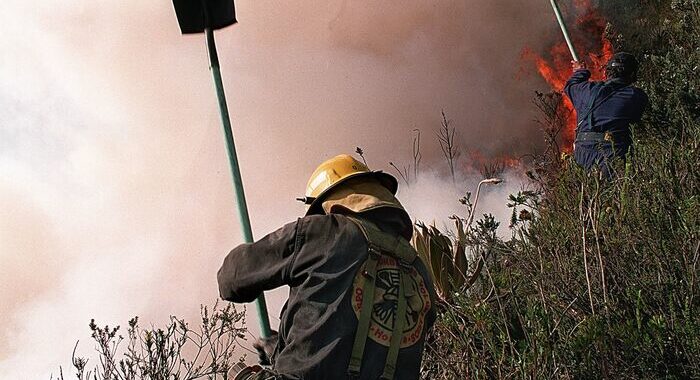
[539, 285]
[593, 213]
[585, 254]
[402, 173]
[417, 156]
[446, 137]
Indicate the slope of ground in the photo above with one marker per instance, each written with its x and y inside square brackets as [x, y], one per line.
[600, 278]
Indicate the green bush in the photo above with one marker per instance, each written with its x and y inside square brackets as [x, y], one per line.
[600, 277]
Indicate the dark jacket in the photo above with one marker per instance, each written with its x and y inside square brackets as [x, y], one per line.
[616, 105]
[318, 257]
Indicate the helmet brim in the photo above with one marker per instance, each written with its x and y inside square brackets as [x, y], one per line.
[387, 180]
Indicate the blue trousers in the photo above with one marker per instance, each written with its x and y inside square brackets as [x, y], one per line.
[591, 154]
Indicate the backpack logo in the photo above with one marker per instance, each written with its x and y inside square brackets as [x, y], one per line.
[385, 303]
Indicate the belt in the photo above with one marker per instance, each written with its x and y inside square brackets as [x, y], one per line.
[619, 137]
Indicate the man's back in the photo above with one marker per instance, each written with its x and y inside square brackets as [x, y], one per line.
[616, 105]
[320, 258]
[604, 112]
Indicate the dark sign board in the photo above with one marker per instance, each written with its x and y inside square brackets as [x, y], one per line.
[196, 15]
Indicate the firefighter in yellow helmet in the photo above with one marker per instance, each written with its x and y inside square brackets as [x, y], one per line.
[360, 302]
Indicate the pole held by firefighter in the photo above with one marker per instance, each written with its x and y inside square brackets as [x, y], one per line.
[564, 31]
[243, 216]
[207, 16]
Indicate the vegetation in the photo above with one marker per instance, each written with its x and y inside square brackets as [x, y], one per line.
[600, 277]
[176, 352]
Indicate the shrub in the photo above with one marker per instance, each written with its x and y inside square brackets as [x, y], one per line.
[600, 277]
[175, 352]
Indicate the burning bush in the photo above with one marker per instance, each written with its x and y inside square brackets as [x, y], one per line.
[589, 35]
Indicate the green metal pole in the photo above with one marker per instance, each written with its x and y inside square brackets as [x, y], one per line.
[564, 31]
[235, 170]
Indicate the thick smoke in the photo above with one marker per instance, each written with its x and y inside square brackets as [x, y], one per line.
[115, 192]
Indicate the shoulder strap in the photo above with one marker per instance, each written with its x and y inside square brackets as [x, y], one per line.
[395, 246]
[592, 106]
[358, 346]
[378, 243]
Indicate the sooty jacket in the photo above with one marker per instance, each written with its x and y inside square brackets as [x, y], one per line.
[319, 258]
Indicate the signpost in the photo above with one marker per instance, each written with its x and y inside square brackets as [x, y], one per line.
[205, 16]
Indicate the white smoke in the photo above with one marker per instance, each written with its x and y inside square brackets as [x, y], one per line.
[433, 198]
[115, 194]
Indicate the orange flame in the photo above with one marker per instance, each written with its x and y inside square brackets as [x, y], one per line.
[478, 161]
[589, 33]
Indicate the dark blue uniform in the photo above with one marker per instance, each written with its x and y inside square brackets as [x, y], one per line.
[604, 112]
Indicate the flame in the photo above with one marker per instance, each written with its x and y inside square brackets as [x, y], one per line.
[489, 163]
[588, 35]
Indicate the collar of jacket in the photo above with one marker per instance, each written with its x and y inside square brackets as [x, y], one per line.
[618, 81]
[365, 197]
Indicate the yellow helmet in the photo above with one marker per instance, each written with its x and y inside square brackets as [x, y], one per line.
[335, 171]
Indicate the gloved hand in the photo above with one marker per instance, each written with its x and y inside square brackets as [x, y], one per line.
[240, 371]
[578, 65]
[266, 347]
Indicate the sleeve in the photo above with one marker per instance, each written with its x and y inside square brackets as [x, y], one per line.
[576, 84]
[253, 268]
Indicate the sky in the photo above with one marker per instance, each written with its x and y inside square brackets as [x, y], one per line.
[115, 190]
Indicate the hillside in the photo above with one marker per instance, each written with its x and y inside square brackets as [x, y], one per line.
[597, 279]
[600, 278]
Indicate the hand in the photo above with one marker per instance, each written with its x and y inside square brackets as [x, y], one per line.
[266, 347]
[578, 65]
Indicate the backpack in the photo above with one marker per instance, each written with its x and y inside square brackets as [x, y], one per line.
[380, 245]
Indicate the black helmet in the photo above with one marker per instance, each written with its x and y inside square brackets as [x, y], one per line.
[622, 65]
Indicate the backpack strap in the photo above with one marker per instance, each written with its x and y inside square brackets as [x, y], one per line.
[394, 246]
[381, 243]
[592, 104]
[397, 332]
[358, 347]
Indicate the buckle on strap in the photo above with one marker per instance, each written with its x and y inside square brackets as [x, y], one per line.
[374, 250]
[352, 374]
[405, 265]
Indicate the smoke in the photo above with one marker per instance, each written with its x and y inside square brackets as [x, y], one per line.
[115, 192]
[433, 198]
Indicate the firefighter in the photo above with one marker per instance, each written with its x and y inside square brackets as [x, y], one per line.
[604, 111]
[360, 302]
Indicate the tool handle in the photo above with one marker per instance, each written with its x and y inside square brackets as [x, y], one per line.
[243, 216]
[564, 31]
